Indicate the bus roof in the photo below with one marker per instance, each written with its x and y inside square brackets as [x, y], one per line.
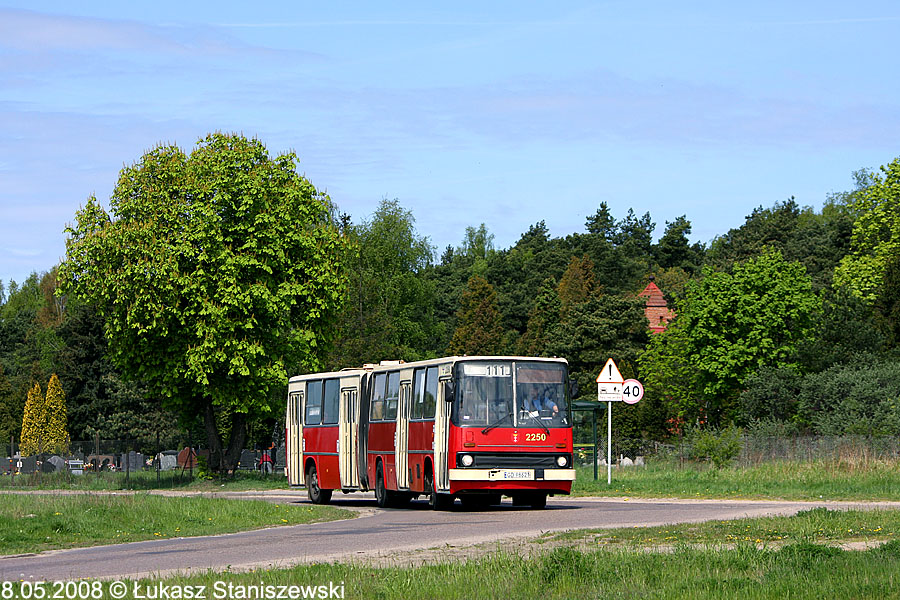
[394, 365]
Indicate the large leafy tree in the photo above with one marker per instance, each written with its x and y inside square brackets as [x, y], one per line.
[389, 312]
[217, 273]
[729, 325]
[876, 233]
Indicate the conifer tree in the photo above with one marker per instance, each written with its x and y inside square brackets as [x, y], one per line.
[577, 284]
[33, 423]
[544, 315]
[56, 435]
[479, 330]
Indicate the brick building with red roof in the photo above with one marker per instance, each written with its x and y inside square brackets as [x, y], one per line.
[657, 309]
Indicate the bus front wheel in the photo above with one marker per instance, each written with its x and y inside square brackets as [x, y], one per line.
[436, 500]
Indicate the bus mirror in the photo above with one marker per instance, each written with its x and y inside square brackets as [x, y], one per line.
[448, 390]
[573, 389]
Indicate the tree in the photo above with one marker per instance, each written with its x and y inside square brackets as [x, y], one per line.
[10, 423]
[876, 233]
[543, 317]
[591, 332]
[887, 302]
[675, 250]
[390, 309]
[56, 434]
[728, 326]
[478, 244]
[577, 284]
[32, 439]
[478, 331]
[217, 274]
[601, 223]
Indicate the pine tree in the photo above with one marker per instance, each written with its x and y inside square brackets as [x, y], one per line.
[33, 423]
[56, 435]
[577, 284]
[544, 315]
[479, 330]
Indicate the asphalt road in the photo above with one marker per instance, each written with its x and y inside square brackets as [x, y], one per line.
[377, 532]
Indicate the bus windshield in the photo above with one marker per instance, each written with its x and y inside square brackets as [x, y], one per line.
[511, 394]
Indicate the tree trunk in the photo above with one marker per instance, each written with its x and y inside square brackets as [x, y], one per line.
[236, 443]
[216, 462]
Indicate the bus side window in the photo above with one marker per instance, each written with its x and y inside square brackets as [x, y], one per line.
[431, 387]
[393, 396]
[418, 394]
[331, 404]
[313, 403]
[377, 411]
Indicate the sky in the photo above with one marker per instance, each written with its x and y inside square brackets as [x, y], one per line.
[502, 113]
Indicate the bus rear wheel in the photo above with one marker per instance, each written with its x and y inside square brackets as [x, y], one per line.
[316, 494]
[382, 494]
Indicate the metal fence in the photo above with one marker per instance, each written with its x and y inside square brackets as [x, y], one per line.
[754, 450]
[178, 461]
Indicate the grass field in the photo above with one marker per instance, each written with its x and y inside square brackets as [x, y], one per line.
[827, 480]
[33, 523]
[143, 480]
[707, 561]
[746, 572]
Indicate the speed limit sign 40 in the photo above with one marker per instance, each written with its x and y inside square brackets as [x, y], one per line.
[632, 391]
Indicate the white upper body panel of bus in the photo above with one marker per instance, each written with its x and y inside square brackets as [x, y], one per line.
[394, 365]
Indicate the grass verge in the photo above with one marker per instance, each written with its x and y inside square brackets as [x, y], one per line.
[144, 480]
[817, 525]
[828, 480]
[34, 523]
[733, 569]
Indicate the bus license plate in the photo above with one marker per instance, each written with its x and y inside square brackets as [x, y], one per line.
[506, 474]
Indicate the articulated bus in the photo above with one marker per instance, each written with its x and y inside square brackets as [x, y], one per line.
[472, 428]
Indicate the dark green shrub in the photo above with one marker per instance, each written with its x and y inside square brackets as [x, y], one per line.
[859, 398]
[720, 447]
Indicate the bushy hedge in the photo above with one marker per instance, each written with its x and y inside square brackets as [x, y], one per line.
[859, 397]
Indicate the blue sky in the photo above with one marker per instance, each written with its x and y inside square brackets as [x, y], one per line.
[505, 113]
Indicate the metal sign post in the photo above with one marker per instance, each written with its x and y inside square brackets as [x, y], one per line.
[612, 387]
[609, 443]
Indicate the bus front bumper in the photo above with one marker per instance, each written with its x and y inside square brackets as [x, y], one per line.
[511, 475]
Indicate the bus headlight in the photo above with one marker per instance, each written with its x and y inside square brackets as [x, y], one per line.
[562, 461]
[466, 460]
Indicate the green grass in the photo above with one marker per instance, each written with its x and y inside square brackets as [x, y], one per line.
[144, 480]
[741, 569]
[828, 480]
[34, 523]
[818, 525]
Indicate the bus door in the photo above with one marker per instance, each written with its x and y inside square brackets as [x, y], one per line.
[294, 441]
[441, 432]
[402, 437]
[347, 447]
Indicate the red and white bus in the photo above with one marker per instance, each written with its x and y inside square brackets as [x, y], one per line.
[473, 428]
